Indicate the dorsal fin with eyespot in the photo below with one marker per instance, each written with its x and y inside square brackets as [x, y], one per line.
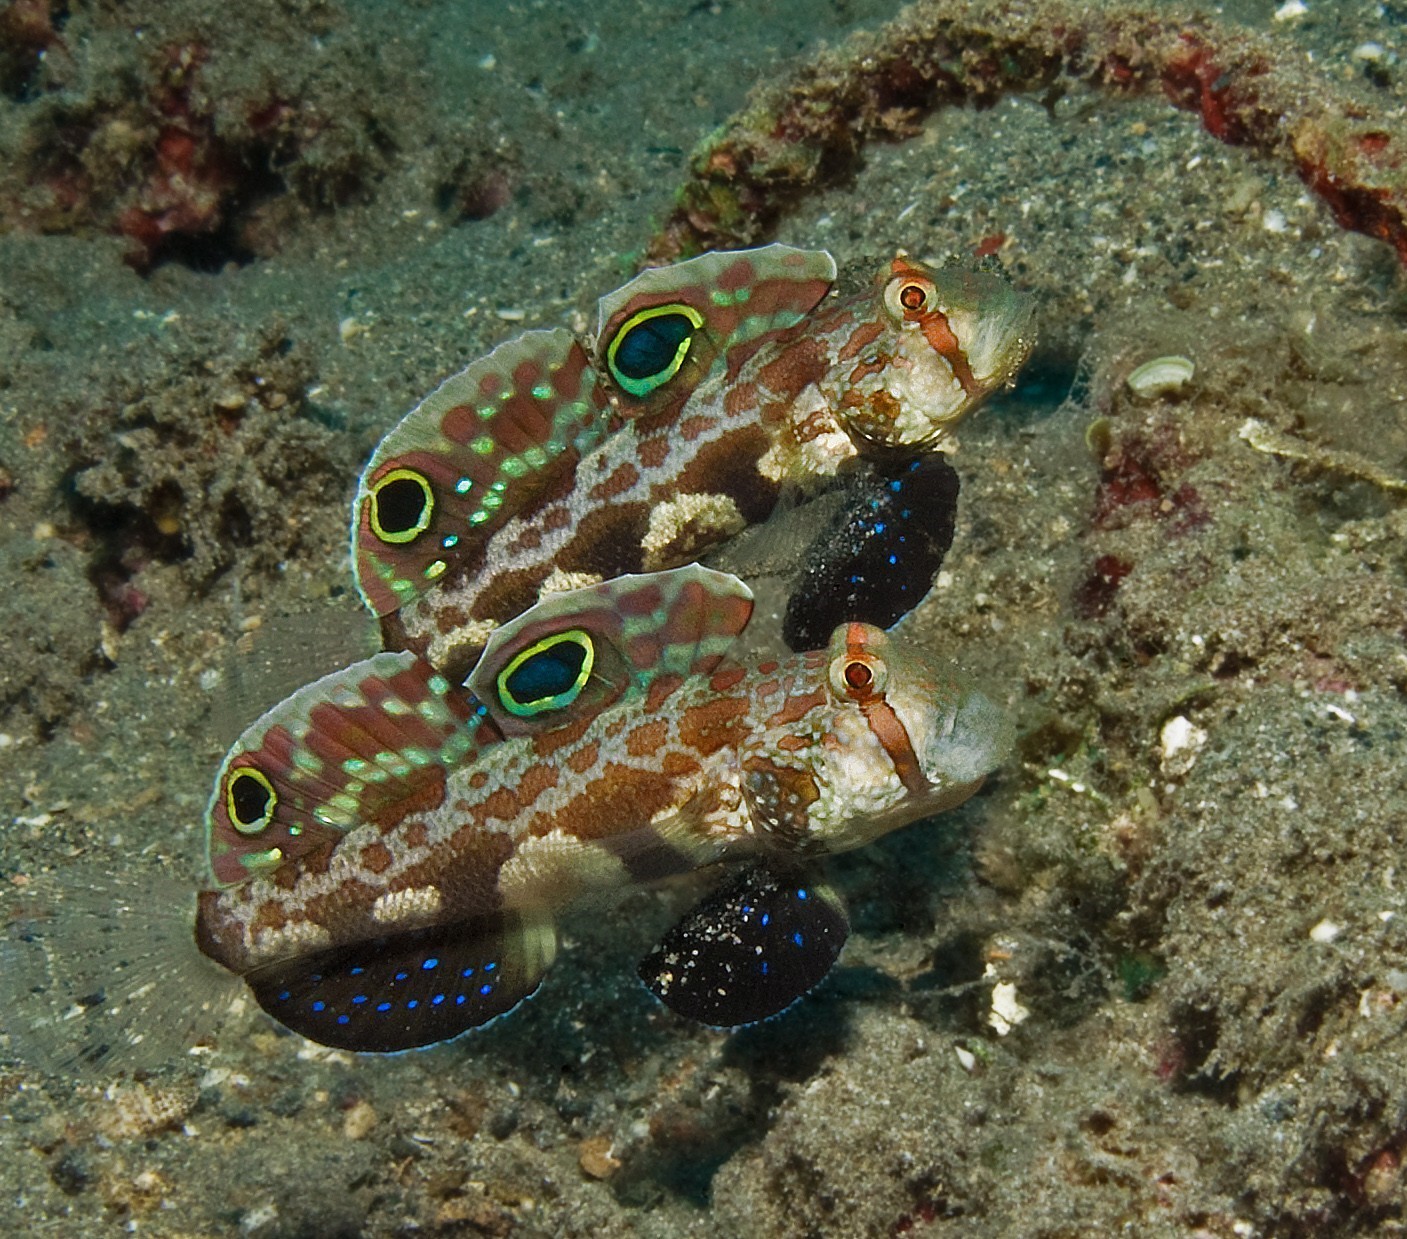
[672, 329]
[578, 651]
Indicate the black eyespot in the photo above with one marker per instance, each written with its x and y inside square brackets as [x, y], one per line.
[651, 346]
[250, 800]
[401, 506]
[548, 675]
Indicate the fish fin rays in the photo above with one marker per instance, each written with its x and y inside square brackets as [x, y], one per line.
[373, 738]
[478, 450]
[100, 973]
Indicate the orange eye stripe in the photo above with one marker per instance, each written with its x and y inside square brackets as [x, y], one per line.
[886, 725]
[941, 339]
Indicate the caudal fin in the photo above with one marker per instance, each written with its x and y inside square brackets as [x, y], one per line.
[100, 973]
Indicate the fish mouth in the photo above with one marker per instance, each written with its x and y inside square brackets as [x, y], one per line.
[973, 741]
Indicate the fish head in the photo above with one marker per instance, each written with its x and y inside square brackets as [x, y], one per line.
[892, 737]
[943, 339]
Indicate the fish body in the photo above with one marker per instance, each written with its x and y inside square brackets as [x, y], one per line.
[392, 845]
[690, 760]
[634, 459]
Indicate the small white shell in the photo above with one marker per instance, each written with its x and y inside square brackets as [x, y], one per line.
[1161, 377]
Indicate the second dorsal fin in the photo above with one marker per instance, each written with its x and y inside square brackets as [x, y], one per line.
[372, 739]
[671, 328]
[577, 651]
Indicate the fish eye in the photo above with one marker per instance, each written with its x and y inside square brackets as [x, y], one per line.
[859, 677]
[651, 346]
[908, 296]
[548, 675]
[250, 800]
[402, 504]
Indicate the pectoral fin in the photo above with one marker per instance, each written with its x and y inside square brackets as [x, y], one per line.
[749, 950]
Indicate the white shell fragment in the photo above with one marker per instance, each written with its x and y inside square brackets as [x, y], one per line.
[1006, 1012]
[1161, 377]
[1325, 931]
[1181, 742]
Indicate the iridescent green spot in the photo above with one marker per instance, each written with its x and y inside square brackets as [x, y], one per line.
[463, 486]
[514, 467]
[438, 685]
[340, 811]
[485, 412]
[535, 457]
[435, 569]
[457, 746]
[482, 446]
[722, 297]
[480, 517]
[305, 760]
[760, 324]
[543, 391]
[493, 502]
[262, 862]
[450, 541]
[498, 486]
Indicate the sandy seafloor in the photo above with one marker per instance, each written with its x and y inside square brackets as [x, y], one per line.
[1188, 870]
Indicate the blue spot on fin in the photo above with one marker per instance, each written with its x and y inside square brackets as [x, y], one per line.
[877, 557]
[389, 993]
[747, 951]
